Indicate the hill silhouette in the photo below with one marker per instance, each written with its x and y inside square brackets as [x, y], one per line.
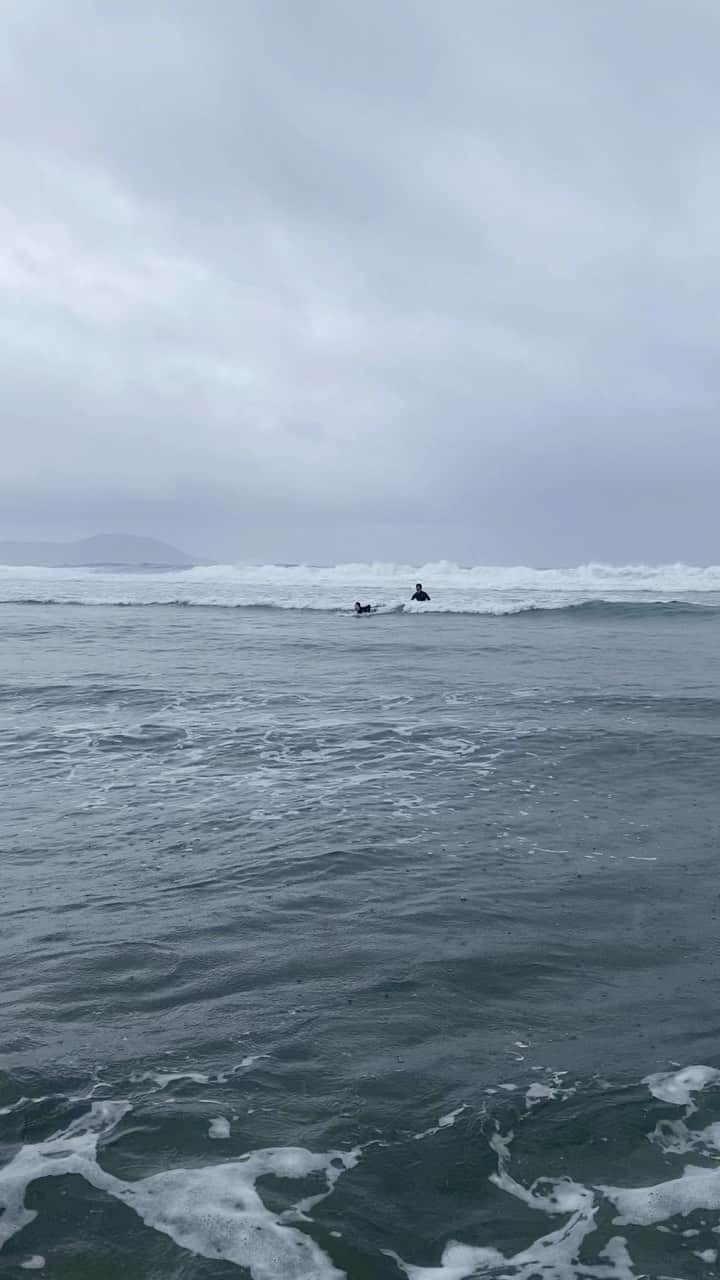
[103, 548]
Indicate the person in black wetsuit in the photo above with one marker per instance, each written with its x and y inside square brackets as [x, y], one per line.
[362, 608]
[420, 595]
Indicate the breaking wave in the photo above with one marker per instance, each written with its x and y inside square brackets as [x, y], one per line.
[585, 608]
[589, 590]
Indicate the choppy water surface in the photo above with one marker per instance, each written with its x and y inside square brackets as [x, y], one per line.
[369, 947]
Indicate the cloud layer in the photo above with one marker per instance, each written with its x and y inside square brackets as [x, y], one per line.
[325, 280]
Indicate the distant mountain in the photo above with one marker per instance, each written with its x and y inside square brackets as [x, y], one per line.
[104, 548]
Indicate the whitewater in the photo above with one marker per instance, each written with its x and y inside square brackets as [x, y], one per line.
[477, 589]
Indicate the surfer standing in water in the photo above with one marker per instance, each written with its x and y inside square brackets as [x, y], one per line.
[419, 594]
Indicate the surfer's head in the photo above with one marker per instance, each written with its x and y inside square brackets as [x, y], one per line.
[418, 586]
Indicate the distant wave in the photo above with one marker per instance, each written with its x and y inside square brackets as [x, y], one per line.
[621, 590]
[582, 608]
[630, 608]
[592, 577]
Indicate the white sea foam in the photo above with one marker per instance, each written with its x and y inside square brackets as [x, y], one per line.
[164, 1078]
[552, 1088]
[454, 588]
[218, 1213]
[674, 1137]
[213, 1211]
[557, 1254]
[537, 1093]
[14, 1106]
[447, 1120]
[678, 1087]
[444, 1122]
[250, 1060]
[560, 1195]
[46, 1097]
[696, 1188]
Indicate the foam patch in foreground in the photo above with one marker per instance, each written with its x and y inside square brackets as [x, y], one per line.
[555, 1255]
[214, 1211]
[677, 1087]
[561, 1254]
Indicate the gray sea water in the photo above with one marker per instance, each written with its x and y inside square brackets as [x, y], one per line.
[372, 947]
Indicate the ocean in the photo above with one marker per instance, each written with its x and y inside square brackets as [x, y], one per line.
[373, 947]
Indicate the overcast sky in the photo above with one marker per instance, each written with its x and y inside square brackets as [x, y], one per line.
[330, 279]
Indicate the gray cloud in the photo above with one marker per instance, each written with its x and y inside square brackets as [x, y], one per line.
[321, 280]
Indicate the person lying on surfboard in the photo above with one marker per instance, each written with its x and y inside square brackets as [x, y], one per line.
[363, 608]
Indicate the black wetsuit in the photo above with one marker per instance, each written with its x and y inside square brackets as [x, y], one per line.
[364, 608]
[421, 596]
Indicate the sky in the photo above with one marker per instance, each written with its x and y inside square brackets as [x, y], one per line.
[394, 280]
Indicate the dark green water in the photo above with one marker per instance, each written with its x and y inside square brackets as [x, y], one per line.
[360, 900]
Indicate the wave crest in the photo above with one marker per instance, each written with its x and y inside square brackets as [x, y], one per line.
[479, 589]
[583, 608]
